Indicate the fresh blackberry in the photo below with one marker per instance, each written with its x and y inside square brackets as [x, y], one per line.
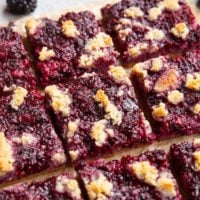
[198, 3]
[21, 6]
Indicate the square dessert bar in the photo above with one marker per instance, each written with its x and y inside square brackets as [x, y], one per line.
[171, 89]
[145, 28]
[64, 186]
[98, 113]
[186, 161]
[28, 142]
[68, 46]
[15, 66]
[147, 176]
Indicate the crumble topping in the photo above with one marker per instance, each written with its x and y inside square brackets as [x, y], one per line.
[137, 50]
[154, 34]
[101, 40]
[196, 141]
[64, 184]
[154, 13]
[28, 138]
[9, 89]
[111, 110]
[193, 81]
[138, 70]
[175, 97]
[18, 97]
[99, 132]
[145, 171]
[60, 99]
[149, 174]
[95, 49]
[171, 5]
[73, 154]
[69, 29]
[180, 30]
[168, 80]
[159, 111]
[166, 186]
[99, 188]
[196, 109]
[46, 54]
[124, 33]
[119, 74]
[157, 64]
[6, 159]
[59, 158]
[72, 127]
[196, 156]
[31, 25]
[133, 12]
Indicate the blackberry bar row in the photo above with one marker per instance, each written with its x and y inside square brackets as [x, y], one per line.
[147, 176]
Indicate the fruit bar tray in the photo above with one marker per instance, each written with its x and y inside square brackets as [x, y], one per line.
[75, 123]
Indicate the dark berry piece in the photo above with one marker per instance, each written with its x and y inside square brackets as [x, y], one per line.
[198, 4]
[21, 6]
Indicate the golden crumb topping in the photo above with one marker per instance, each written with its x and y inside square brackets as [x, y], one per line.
[60, 99]
[18, 97]
[46, 54]
[133, 12]
[175, 97]
[196, 141]
[154, 34]
[6, 158]
[167, 80]
[69, 29]
[171, 5]
[180, 30]
[154, 13]
[74, 154]
[196, 156]
[72, 127]
[138, 69]
[159, 111]
[196, 108]
[137, 50]
[193, 81]
[59, 158]
[119, 74]
[31, 25]
[157, 64]
[64, 184]
[99, 188]
[145, 171]
[111, 110]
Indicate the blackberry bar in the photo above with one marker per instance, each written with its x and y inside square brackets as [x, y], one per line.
[15, 65]
[170, 87]
[70, 45]
[98, 113]
[145, 28]
[64, 186]
[28, 142]
[147, 176]
[186, 161]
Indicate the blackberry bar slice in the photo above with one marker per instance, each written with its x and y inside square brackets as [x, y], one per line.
[147, 176]
[98, 113]
[70, 45]
[145, 28]
[186, 161]
[15, 65]
[64, 186]
[171, 86]
[28, 142]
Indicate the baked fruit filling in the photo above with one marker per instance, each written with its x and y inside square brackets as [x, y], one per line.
[64, 186]
[28, 142]
[186, 161]
[98, 113]
[171, 88]
[142, 29]
[15, 66]
[144, 177]
[68, 46]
